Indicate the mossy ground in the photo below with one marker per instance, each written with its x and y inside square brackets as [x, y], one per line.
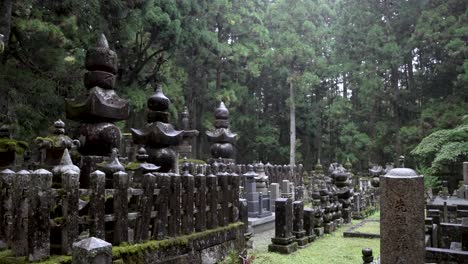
[330, 249]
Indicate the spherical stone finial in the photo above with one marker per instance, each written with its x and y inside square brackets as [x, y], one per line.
[158, 101]
[401, 172]
[222, 112]
[141, 155]
[59, 127]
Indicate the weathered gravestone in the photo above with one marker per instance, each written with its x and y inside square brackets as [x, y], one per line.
[402, 217]
[92, 251]
[284, 240]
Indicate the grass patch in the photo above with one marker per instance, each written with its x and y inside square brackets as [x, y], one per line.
[369, 228]
[330, 249]
[375, 216]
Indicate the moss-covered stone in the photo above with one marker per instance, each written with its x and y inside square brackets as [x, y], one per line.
[12, 145]
[7, 257]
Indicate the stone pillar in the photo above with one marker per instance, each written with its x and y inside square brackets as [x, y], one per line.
[309, 223]
[40, 201]
[97, 204]
[20, 204]
[70, 231]
[464, 233]
[465, 172]
[284, 241]
[285, 189]
[274, 194]
[402, 217]
[6, 185]
[92, 250]
[298, 224]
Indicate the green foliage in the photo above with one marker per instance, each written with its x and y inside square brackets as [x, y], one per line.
[446, 146]
[430, 180]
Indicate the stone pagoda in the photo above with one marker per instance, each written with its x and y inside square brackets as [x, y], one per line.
[221, 137]
[99, 109]
[185, 148]
[159, 137]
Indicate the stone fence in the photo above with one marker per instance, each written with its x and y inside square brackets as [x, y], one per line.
[39, 217]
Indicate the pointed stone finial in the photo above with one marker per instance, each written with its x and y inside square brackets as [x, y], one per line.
[222, 112]
[66, 164]
[158, 101]
[102, 42]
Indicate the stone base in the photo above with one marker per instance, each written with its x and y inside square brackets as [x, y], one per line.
[302, 242]
[311, 238]
[264, 214]
[283, 249]
[319, 231]
[329, 228]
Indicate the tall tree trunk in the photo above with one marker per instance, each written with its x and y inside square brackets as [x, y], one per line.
[397, 119]
[292, 132]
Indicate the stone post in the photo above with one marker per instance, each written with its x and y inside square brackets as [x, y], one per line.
[173, 225]
[146, 204]
[97, 204]
[70, 232]
[465, 172]
[20, 204]
[402, 217]
[309, 223]
[92, 250]
[274, 194]
[367, 256]
[6, 184]
[212, 199]
[161, 205]
[284, 241]
[188, 184]
[40, 200]
[298, 224]
[121, 184]
[464, 233]
[200, 202]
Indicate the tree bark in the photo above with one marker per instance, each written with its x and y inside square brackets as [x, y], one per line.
[292, 133]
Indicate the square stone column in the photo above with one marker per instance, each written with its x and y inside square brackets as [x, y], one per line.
[284, 240]
[402, 217]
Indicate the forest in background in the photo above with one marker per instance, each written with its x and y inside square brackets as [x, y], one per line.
[372, 79]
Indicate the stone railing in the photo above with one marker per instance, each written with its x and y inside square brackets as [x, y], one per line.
[37, 219]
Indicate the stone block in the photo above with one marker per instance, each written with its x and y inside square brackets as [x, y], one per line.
[92, 251]
[283, 249]
[402, 217]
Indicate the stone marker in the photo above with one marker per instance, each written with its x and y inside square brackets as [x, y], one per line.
[402, 217]
[309, 223]
[284, 241]
[464, 233]
[274, 194]
[92, 251]
[465, 172]
[298, 224]
[367, 256]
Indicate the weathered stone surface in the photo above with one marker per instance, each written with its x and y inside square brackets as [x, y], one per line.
[97, 204]
[309, 218]
[6, 196]
[200, 202]
[174, 206]
[163, 180]
[222, 138]
[92, 251]
[212, 219]
[40, 201]
[465, 172]
[121, 184]
[188, 185]
[146, 205]
[20, 205]
[70, 201]
[402, 217]
[464, 234]
[283, 242]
